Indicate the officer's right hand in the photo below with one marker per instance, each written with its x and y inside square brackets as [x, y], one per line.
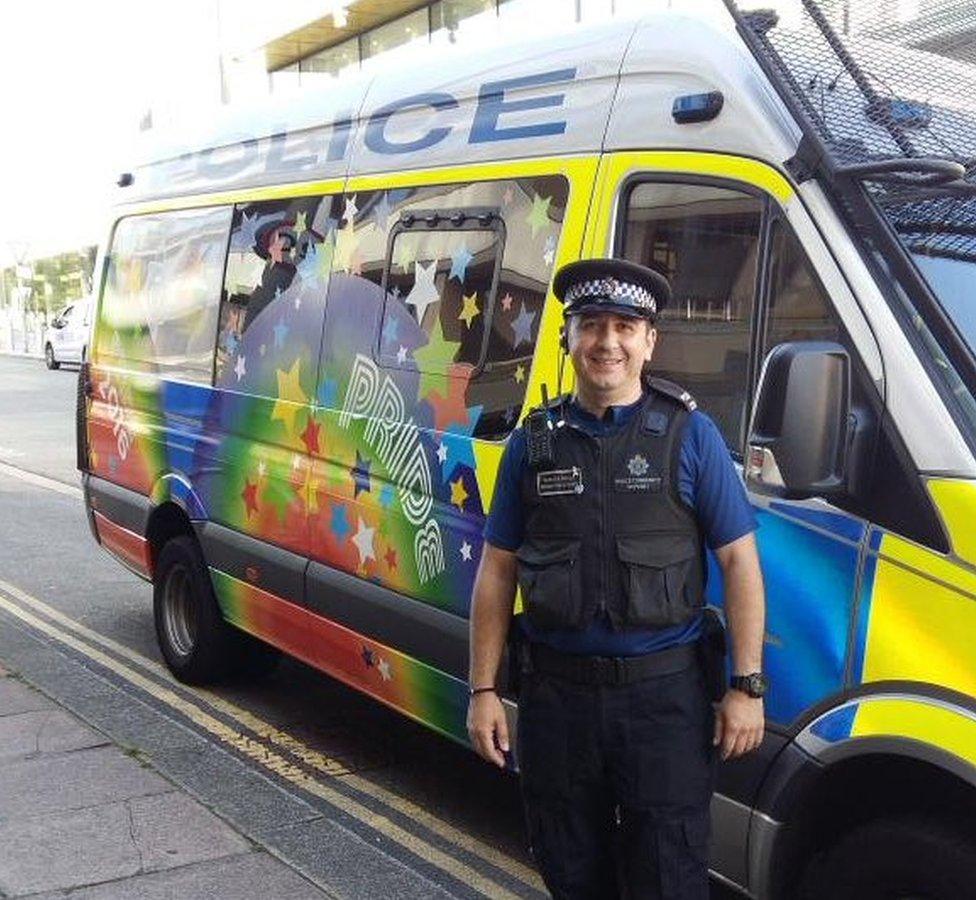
[487, 727]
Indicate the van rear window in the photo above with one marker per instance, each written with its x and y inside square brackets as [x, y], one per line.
[162, 291]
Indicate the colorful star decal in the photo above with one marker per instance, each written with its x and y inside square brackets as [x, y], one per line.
[384, 669]
[460, 260]
[401, 356]
[538, 217]
[391, 558]
[442, 453]
[329, 393]
[520, 373]
[423, 293]
[308, 266]
[301, 224]
[240, 368]
[382, 211]
[350, 211]
[470, 309]
[458, 493]
[405, 255]
[507, 302]
[369, 658]
[522, 326]
[466, 551]
[250, 497]
[508, 196]
[291, 397]
[459, 445]
[247, 231]
[339, 522]
[451, 409]
[363, 539]
[386, 495]
[549, 253]
[360, 475]
[310, 436]
[433, 360]
[346, 246]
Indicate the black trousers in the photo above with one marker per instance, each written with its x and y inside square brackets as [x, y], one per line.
[617, 782]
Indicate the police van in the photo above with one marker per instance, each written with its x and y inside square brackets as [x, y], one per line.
[317, 326]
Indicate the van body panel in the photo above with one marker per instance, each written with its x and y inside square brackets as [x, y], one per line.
[673, 56]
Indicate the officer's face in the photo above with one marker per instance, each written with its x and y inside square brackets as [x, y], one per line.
[608, 351]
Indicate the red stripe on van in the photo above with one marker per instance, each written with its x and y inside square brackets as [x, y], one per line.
[132, 549]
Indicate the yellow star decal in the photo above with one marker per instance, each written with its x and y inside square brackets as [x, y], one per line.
[520, 373]
[311, 488]
[323, 257]
[458, 494]
[470, 309]
[433, 360]
[538, 217]
[405, 255]
[291, 397]
[301, 224]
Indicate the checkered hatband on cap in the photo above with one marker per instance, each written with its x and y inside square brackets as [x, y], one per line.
[611, 290]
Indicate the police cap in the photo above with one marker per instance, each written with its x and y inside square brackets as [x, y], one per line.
[611, 285]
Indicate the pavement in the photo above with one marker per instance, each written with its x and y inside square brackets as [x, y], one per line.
[81, 816]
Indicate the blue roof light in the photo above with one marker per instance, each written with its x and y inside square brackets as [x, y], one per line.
[697, 107]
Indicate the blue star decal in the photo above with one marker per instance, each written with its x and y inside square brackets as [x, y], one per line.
[329, 393]
[382, 212]
[339, 523]
[280, 333]
[522, 326]
[368, 657]
[308, 268]
[459, 445]
[360, 475]
[386, 496]
[459, 263]
[391, 330]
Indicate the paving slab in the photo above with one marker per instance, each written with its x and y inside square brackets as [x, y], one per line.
[253, 876]
[45, 731]
[174, 830]
[69, 781]
[16, 697]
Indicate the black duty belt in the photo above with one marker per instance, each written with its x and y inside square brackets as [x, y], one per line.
[600, 670]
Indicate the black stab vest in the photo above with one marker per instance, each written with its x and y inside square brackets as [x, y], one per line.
[606, 530]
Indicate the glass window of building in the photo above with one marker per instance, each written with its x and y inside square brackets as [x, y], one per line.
[451, 16]
[397, 33]
[552, 12]
[337, 60]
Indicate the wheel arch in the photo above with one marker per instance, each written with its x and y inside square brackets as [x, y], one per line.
[871, 757]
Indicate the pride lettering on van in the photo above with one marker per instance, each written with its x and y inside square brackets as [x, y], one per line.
[123, 439]
[397, 445]
[391, 130]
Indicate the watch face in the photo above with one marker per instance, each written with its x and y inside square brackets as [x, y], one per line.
[756, 684]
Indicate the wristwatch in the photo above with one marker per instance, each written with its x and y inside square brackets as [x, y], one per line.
[755, 685]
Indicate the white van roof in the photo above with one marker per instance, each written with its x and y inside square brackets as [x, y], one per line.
[607, 87]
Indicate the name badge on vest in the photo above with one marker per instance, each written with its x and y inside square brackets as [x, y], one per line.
[638, 476]
[559, 481]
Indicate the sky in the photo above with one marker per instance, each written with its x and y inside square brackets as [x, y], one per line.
[75, 80]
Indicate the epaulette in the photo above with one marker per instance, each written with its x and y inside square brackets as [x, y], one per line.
[672, 390]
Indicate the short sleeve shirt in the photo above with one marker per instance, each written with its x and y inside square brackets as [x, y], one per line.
[707, 482]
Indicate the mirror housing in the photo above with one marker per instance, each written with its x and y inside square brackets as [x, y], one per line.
[800, 438]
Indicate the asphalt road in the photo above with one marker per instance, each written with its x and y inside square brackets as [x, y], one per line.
[468, 839]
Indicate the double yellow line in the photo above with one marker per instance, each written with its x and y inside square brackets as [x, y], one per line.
[273, 749]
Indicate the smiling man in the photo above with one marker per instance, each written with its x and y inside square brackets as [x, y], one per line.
[604, 505]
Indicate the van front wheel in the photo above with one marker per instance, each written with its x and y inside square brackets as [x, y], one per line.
[49, 359]
[196, 642]
[899, 858]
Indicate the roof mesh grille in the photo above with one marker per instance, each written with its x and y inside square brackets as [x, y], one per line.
[889, 88]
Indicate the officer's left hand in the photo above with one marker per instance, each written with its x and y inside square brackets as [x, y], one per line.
[739, 724]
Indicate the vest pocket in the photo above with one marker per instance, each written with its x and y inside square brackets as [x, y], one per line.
[548, 574]
[661, 575]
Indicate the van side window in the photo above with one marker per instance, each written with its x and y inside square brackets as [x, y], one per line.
[159, 306]
[706, 240]
[278, 267]
[455, 296]
[798, 307]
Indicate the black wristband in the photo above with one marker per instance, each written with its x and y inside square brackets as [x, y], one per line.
[481, 690]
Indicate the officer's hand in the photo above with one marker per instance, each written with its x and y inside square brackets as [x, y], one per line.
[486, 722]
[739, 724]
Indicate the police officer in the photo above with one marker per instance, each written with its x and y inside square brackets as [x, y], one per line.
[604, 504]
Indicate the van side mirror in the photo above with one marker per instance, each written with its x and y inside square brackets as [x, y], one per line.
[800, 437]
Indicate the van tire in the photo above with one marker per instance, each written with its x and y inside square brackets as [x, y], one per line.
[49, 358]
[893, 858]
[256, 660]
[196, 642]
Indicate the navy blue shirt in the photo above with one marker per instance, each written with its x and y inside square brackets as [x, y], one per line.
[707, 482]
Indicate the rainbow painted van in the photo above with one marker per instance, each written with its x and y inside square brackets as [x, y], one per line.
[317, 328]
